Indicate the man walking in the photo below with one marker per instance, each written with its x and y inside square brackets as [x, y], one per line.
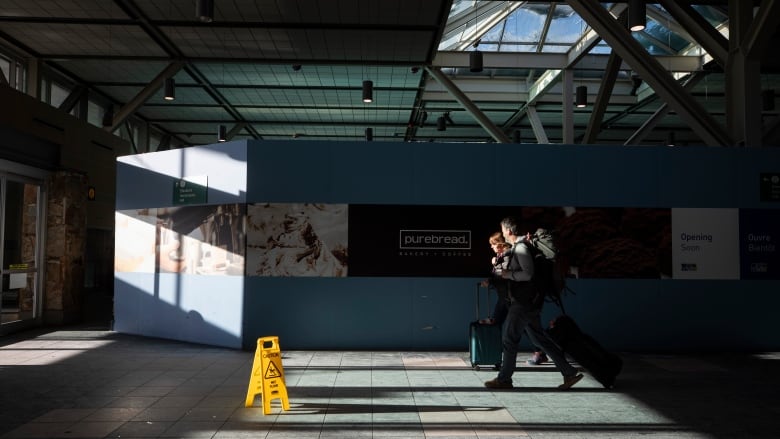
[524, 310]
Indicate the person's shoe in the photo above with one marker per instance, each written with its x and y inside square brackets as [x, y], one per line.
[488, 321]
[570, 381]
[496, 384]
[537, 359]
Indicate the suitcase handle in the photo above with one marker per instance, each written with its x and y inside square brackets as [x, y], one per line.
[479, 287]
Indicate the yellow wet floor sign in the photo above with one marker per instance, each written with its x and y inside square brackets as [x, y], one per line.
[267, 377]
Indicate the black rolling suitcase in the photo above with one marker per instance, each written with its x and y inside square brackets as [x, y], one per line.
[602, 364]
[484, 340]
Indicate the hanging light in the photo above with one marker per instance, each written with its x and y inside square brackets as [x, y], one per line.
[441, 124]
[108, 117]
[516, 136]
[768, 100]
[581, 96]
[475, 60]
[636, 82]
[423, 118]
[670, 141]
[204, 9]
[637, 15]
[475, 57]
[221, 133]
[369, 134]
[170, 89]
[368, 91]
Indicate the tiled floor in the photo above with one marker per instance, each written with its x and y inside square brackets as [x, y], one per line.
[85, 383]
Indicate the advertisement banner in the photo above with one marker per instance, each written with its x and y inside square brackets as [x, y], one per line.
[340, 240]
[403, 240]
[759, 232]
[297, 240]
[204, 240]
[453, 240]
[705, 243]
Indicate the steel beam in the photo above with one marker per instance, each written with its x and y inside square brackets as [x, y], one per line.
[700, 29]
[138, 100]
[475, 112]
[743, 78]
[73, 98]
[536, 125]
[763, 28]
[621, 41]
[602, 100]
[520, 60]
[567, 107]
[642, 132]
[233, 132]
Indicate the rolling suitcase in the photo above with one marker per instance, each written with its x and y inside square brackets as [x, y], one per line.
[484, 339]
[602, 364]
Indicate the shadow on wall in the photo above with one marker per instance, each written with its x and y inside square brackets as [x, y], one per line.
[175, 308]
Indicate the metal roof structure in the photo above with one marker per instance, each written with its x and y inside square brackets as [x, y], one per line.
[294, 69]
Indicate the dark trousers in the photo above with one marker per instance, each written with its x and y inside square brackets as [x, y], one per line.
[527, 319]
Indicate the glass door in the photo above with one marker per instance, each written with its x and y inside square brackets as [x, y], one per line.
[20, 239]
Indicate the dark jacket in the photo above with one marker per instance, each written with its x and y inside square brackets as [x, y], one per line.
[521, 270]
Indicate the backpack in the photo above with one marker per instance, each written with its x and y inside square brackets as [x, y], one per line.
[550, 268]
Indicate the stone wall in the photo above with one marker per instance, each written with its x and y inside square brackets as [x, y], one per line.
[30, 236]
[66, 233]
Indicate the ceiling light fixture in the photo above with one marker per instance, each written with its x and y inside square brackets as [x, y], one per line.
[636, 82]
[205, 10]
[581, 96]
[222, 133]
[368, 91]
[516, 136]
[670, 139]
[108, 117]
[369, 134]
[475, 59]
[170, 89]
[441, 124]
[637, 15]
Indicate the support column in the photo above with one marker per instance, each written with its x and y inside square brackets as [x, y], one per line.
[66, 235]
[567, 122]
[743, 79]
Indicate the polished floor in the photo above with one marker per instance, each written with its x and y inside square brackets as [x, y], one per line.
[87, 382]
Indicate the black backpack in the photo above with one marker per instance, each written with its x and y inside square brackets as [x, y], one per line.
[550, 268]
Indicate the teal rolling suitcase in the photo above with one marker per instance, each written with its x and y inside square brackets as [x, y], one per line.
[484, 339]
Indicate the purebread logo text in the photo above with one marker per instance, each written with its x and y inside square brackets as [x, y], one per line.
[435, 239]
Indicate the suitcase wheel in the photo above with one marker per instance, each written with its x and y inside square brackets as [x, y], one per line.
[476, 367]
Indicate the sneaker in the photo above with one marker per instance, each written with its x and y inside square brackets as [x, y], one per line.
[496, 384]
[570, 381]
[537, 359]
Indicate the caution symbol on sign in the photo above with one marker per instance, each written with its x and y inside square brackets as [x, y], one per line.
[272, 371]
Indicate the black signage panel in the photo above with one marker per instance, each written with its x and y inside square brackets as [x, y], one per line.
[770, 186]
[452, 241]
[408, 240]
